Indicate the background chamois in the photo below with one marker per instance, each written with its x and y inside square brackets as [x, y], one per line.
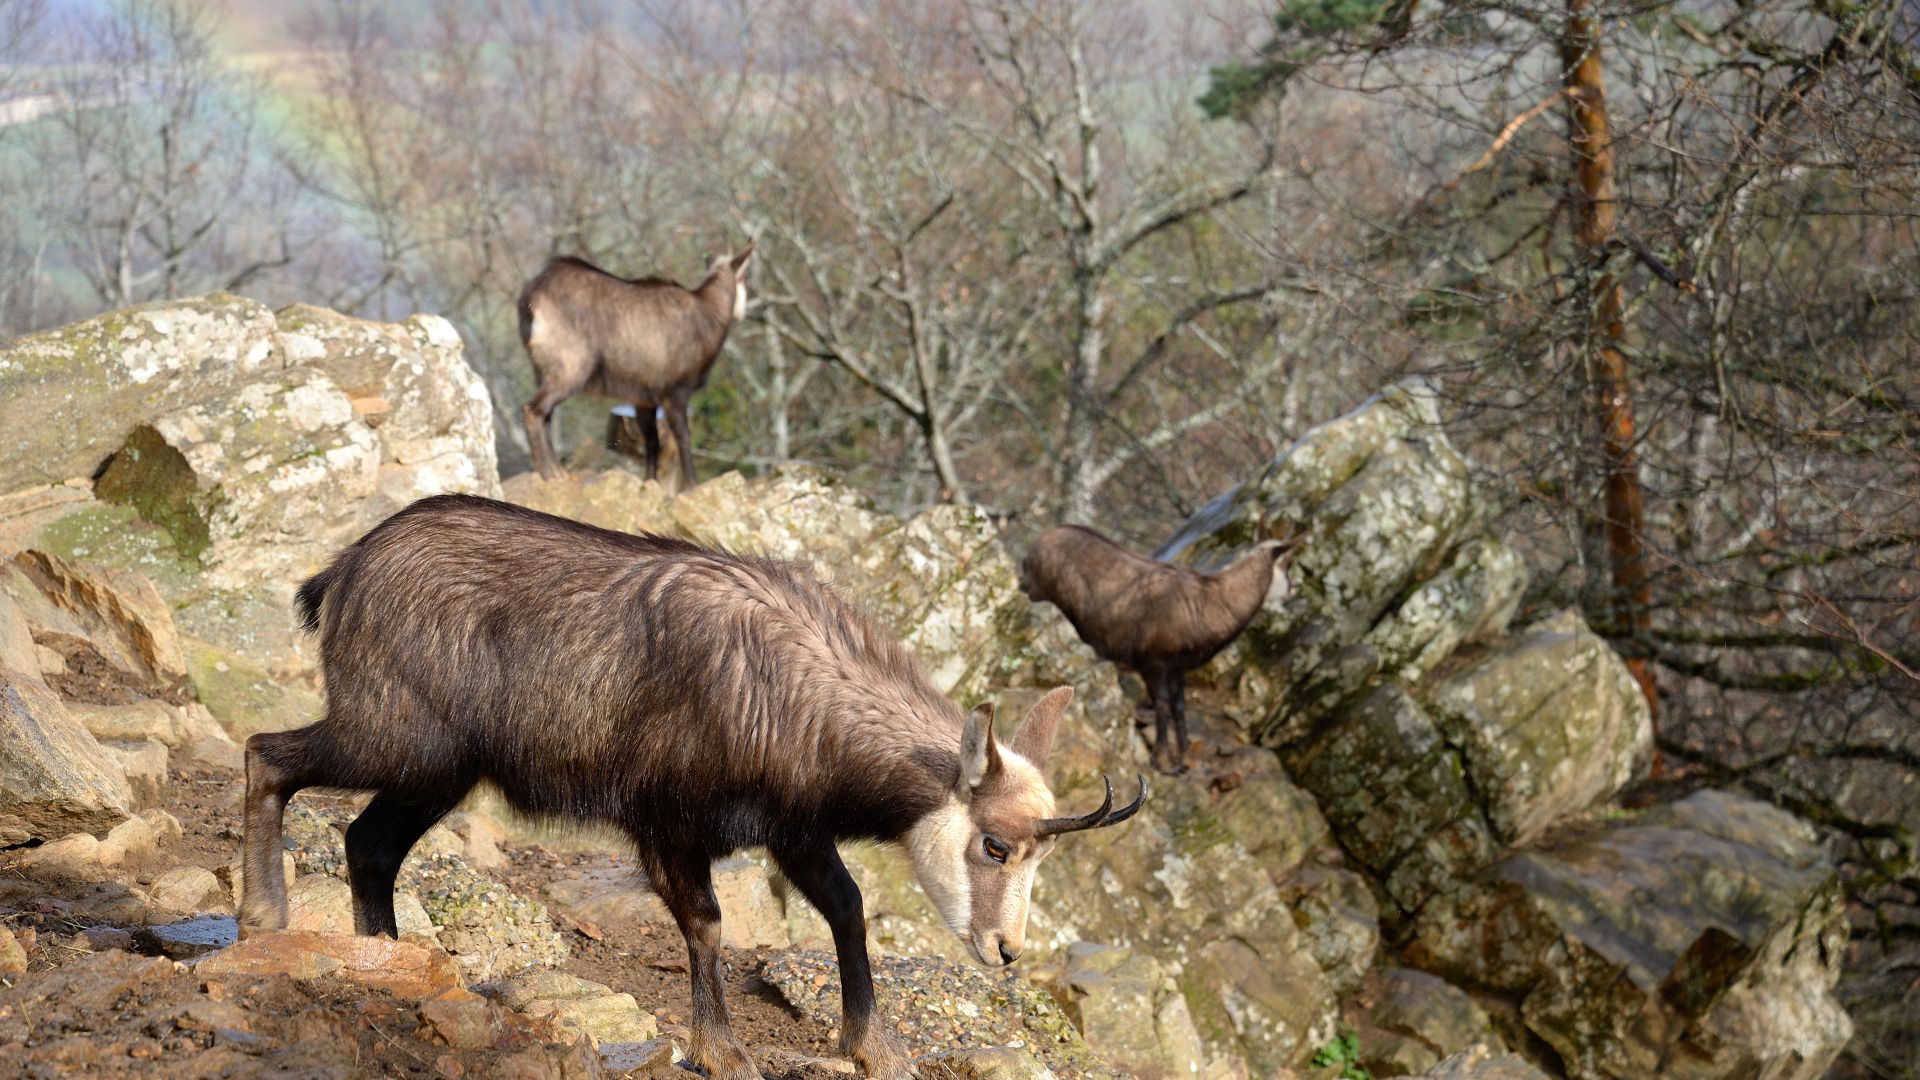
[647, 341]
[1159, 619]
[700, 701]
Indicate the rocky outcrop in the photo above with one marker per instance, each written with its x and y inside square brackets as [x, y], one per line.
[224, 450]
[1709, 932]
[1430, 737]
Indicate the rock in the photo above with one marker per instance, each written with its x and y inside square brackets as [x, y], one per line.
[750, 918]
[1384, 505]
[18, 651]
[406, 969]
[1484, 1063]
[1129, 1010]
[1275, 820]
[189, 937]
[188, 890]
[1710, 930]
[1396, 793]
[73, 855]
[232, 473]
[13, 958]
[139, 839]
[993, 1063]
[613, 499]
[102, 938]
[90, 382]
[933, 1002]
[656, 1057]
[320, 903]
[609, 898]
[1275, 1010]
[121, 614]
[1416, 1020]
[1549, 722]
[575, 1007]
[491, 931]
[1339, 920]
[54, 778]
[144, 764]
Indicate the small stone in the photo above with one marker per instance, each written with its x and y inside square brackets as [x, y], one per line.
[73, 855]
[103, 938]
[13, 958]
[139, 838]
[188, 890]
[189, 937]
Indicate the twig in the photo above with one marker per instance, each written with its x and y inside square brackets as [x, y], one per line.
[1506, 136]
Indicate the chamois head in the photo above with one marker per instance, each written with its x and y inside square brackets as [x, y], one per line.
[735, 267]
[975, 855]
[1280, 546]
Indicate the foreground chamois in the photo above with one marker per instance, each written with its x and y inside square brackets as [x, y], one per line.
[1159, 619]
[646, 341]
[698, 700]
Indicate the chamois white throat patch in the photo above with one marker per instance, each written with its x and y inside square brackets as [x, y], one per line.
[937, 844]
[739, 300]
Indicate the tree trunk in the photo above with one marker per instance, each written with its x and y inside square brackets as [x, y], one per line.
[1628, 607]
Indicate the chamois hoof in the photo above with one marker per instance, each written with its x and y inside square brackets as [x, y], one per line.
[723, 1060]
[881, 1059]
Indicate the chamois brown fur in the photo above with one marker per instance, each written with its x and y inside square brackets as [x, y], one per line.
[647, 341]
[1159, 619]
[701, 701]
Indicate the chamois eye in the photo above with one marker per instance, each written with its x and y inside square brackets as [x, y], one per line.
[995, 850]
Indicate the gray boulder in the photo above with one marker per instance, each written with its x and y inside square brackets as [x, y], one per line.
[1709, 932]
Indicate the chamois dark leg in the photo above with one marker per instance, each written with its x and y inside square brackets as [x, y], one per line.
[1160, 691]
[650, 435]
[276, 770]
[537, 416]
[683, 437]
[1177, 684]
[377, 843]
[823, 879]
[685, 884]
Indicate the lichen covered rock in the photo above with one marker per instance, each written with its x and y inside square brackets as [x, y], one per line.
[1708, 931]
[228, 450]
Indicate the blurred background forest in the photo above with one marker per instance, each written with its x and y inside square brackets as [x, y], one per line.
[1100, 261]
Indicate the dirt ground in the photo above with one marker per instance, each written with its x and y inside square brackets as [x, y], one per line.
[78, 1011]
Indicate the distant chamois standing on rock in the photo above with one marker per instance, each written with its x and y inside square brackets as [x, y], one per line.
[1158, 619]
[647, 341]
[698, 700]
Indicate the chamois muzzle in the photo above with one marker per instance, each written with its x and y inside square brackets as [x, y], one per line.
[1099, 819]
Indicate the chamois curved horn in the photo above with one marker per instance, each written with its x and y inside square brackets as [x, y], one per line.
[1099, 819]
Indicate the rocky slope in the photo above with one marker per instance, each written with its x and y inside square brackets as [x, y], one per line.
[1397, 848]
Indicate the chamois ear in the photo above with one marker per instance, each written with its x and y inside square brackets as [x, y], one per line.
[978, 754]
[1034, 740]
[740, 260]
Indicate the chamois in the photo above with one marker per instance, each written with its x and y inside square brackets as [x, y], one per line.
[646, 341]
[701, 701]
[1158, 619]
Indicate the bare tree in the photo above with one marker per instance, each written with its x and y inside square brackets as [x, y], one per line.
[164, 188]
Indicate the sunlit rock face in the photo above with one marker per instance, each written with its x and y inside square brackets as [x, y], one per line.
[225, 451]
